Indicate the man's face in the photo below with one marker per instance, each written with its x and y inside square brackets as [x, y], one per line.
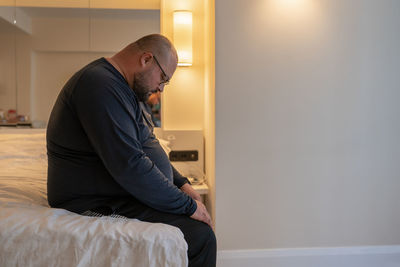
[143, 85]
[152, 80]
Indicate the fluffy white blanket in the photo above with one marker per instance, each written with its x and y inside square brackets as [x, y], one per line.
[32, 234]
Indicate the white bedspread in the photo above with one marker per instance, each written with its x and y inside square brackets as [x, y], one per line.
[32, 234]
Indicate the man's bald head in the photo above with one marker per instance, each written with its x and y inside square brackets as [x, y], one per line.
[156, 44]
[146, 64]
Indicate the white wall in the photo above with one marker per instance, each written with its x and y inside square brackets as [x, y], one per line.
[307, 123]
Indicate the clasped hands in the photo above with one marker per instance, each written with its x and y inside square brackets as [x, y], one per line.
[201, 213]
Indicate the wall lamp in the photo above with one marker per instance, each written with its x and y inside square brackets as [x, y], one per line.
[183, 35]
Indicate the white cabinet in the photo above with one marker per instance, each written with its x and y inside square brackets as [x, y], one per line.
[51, 40]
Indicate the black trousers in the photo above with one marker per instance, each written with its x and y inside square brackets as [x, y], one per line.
[202, 244]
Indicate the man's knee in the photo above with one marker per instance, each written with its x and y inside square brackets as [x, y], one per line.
[203, 233]
[211, 239]
[202, 242]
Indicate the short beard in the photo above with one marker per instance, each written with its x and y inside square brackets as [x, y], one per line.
[140, 87]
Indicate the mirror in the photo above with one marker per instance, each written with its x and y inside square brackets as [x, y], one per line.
[8, 96]
[42, 47]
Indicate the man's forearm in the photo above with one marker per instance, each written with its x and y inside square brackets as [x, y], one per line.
[189, 190]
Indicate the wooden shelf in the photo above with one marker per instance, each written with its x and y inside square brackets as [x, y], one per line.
[26, 124]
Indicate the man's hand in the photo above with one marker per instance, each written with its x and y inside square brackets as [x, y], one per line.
[188, 189]
[201, 214]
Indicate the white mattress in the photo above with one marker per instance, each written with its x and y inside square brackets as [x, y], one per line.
[32, 234]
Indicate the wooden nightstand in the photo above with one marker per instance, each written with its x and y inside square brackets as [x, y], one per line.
[202, 189]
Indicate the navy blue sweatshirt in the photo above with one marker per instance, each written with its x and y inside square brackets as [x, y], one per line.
[100, 150]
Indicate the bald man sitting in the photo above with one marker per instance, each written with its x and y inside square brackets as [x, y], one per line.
[103, 158]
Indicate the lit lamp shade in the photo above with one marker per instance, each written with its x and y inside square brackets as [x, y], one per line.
[183, 36]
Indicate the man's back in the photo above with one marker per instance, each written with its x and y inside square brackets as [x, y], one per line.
[75, 170]
[99, 148]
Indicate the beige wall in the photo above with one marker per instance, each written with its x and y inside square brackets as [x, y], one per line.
[307, 123]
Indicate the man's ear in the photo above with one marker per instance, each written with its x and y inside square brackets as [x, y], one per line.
[145, 59]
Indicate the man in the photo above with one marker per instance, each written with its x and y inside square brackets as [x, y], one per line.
[104, 158]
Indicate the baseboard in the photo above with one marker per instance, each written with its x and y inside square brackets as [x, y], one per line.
[371, 256]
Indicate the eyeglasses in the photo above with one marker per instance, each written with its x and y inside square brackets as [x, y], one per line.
[165, 80]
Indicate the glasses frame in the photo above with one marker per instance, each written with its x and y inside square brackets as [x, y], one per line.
[166, 78]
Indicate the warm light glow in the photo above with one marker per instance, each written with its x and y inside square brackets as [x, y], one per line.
[183, 17]
[183, 37]
[290, 3]
[292, 7]
[287, 17]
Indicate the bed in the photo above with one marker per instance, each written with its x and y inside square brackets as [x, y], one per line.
[33, 234]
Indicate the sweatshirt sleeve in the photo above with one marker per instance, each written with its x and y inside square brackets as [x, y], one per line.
[179, 180]
[108, 116]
